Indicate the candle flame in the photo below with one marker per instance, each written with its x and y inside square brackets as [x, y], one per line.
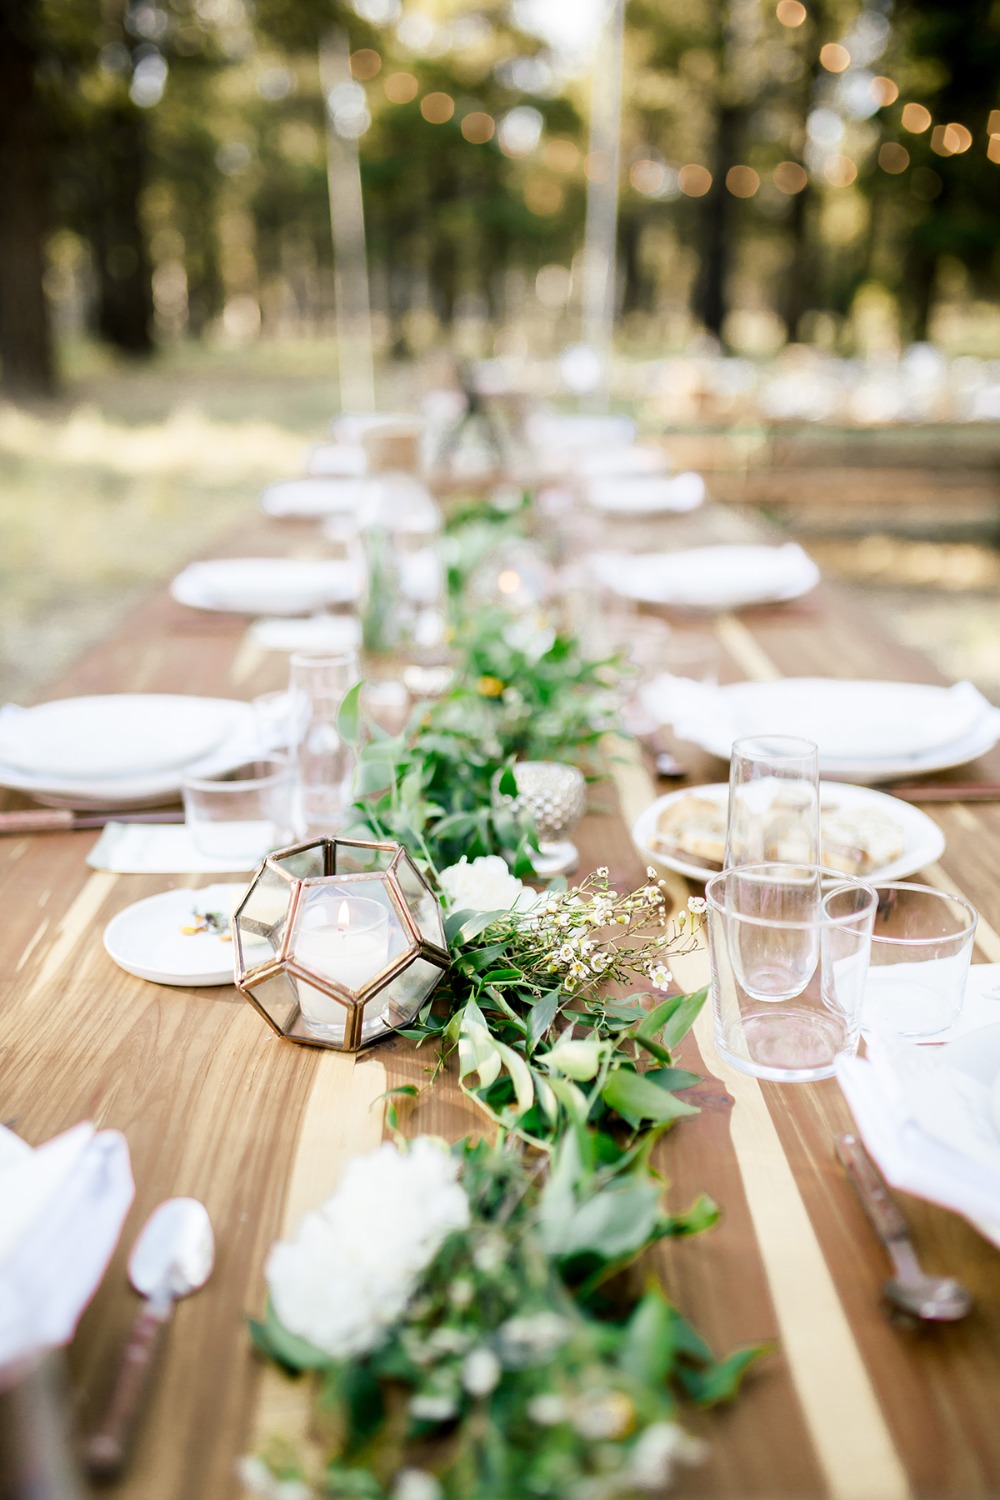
[343, 917]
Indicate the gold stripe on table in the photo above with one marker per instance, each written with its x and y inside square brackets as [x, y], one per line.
[73, 927]
[343, 1118]
[751, 658]
[826, 1366]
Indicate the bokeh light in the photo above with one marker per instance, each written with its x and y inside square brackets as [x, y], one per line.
[520, 130]
[883, 91]
[915, 118]
[478, 127]
[400, 88]
[436, 108]
[790, 12]
[790, 177]
[742, 181]
[834, 57]
[892, 157]
[543, 196]
[561, 155]
[694, 180]
[365, 63]
[840, 171]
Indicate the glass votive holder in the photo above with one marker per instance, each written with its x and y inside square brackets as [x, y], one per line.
[788, 949]
[553, 795]
[344, 940]
[922, 944]
[243, 813]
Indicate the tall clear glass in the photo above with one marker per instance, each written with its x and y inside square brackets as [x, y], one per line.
[789, 948]
[773, 802]
[324, 762]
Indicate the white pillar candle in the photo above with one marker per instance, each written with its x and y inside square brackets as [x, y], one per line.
[350, 952]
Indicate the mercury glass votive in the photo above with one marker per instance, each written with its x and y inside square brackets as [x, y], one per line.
[338, 942]
[553, 795]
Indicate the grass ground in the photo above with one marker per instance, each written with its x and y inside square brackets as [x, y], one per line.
[108, 491]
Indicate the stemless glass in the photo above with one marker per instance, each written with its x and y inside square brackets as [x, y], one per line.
[789, 948]
[773, 802]
[325, 764]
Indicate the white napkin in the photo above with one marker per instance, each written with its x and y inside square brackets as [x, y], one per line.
[928, 1124]
[63, 1208]
[157, 849]
[980, 1007]
[646, 494]
[694, 709]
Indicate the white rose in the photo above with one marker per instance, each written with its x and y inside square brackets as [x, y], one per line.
[484, 885]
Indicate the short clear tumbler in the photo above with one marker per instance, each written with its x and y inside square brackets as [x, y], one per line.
[789, 947]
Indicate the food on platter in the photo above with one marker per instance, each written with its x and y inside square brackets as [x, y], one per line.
[855, 840]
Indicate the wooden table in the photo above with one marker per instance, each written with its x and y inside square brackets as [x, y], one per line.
[214, 1105]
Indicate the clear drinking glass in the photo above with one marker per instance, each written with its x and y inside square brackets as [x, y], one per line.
[325, 764]
[789, 949]
[921, 949]
[242, 813]
[773, 802]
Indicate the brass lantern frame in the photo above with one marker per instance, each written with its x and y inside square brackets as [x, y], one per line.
[331, 853]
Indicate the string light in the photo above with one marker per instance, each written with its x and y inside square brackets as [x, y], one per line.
[790, 13]
[840, 171]
[693, 180]
[365, 63]
[916, 118]
[789, 177]
[834, 57]
[400, 88]
[478, 127]
[437, 108]
[742, 182]
[892, 157]
[883, 91]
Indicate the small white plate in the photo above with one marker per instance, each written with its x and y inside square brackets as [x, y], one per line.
[923, 839]
[267, 585]
[147, 939]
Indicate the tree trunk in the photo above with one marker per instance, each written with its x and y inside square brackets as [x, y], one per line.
[125, 297]
[26, 356]
[711, 292]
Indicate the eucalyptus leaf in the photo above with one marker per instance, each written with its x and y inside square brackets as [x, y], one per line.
[635, 1098]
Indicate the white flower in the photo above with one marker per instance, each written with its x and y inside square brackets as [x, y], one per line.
[351, 1271]
[548, 1409]
[655, 1452]
[660, 976]
[433, 1406]
[697, 904]
[257, 1479]
[602, 872]
[416, 1484]
[532, 1338]
[481, 1372]
[484, 885]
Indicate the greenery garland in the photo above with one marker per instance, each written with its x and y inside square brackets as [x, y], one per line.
[516, 1359]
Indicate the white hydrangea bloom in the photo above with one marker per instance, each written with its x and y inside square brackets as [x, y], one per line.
[349, 1274]
[485, 884]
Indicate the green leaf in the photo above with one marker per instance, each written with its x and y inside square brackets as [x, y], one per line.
[349, 715]
[635, 1099]
[579, 1059]
[683, 1018]
[613, 1223]
[649, 1347]
[507, 785]
[272, 1338]
[721, 1381]
[541, 1016]
[702, 1214]
[463, 926]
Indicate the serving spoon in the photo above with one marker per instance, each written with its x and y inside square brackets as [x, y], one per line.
[932, 1299]
[173, 1256]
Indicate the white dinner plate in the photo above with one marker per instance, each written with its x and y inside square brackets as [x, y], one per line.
[316, 633]
[711, 578]
[868, 731]
[112, 735]
[147, 939]
[645, 494]
[151, 786]
[923, 839]
[317, 495]
[267, 585]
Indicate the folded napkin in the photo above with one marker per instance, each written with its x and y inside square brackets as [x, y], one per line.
[849, 720]
[932, 1125]
[156, 849]
[980, 1007]
[722, 577]
[64, 1206]
[646, 494]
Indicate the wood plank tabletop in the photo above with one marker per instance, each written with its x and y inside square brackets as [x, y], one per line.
[847, 1407]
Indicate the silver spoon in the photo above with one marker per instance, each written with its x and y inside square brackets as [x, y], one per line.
[173, 1256]
[932, 1299]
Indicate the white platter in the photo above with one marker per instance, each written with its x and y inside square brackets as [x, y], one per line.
[147, 938]
[923, 839]
[148, 787]
[267, 585]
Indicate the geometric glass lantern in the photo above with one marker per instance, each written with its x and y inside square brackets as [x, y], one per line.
[338, 942]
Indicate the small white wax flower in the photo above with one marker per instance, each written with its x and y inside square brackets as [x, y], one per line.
[602, 872]
[431, 1406]
[481, 1372]
[655, 1451]
[416, 1484]
[697, 904]
[548, 1409]
[660, 975]
[484, 884]
[355, 1263]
